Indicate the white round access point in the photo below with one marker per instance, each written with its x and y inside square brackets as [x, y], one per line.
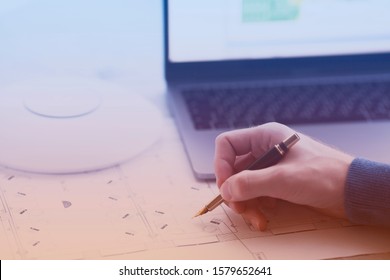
[62, 126]
[67, 101]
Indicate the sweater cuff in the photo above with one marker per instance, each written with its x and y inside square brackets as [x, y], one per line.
[367, 193]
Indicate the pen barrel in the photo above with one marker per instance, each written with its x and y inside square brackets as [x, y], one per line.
[270, 158]
[214, 203]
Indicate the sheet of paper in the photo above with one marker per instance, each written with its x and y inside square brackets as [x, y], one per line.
[143, 209]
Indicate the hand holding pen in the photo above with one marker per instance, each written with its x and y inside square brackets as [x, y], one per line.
[271, 157]
[311, 173]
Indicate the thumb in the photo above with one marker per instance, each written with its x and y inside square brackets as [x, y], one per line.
[272, 182]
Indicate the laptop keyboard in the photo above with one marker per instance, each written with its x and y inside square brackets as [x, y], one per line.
[230, 108]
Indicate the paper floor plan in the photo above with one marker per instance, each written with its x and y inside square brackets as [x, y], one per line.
[144, 208]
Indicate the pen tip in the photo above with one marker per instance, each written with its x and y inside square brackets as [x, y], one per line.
[201, 212]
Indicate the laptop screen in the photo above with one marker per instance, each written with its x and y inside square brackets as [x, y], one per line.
[220, 30]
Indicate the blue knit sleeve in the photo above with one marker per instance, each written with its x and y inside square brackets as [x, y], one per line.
[367, 193]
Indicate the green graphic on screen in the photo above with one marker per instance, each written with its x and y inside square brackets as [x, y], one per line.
[269, 10]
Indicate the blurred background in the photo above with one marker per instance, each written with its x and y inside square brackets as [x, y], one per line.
[117, 40]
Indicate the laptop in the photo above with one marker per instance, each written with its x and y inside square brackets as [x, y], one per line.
[321, 67]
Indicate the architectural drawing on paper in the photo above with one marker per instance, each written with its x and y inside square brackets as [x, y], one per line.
[145, 205]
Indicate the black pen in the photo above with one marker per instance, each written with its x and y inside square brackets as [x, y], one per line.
[271, 157]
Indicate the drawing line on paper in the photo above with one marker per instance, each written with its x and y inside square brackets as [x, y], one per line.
[10, 225]
[138, 208]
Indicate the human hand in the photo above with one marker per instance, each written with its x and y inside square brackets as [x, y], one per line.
[311, 173]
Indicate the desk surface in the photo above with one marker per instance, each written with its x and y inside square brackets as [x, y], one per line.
[141, 209]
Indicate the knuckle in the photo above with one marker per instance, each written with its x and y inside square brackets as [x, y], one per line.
[220, 138]
[241, 185]
[280, 173]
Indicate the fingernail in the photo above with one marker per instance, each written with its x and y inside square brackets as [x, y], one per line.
[225, 191]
